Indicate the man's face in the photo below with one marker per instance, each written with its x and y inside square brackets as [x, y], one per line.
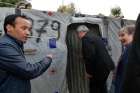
[125, 38]
[81, 34]
[21, 30]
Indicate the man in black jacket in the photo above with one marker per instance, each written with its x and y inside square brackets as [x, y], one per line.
[15, 72]
[97, 60]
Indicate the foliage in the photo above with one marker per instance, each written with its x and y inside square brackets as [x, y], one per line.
[116, 11]
[22, 4]
[8, 3]
[70, 8]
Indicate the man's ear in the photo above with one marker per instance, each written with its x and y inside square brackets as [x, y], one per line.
[9, 28]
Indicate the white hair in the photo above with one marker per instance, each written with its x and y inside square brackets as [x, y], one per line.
[82, 28]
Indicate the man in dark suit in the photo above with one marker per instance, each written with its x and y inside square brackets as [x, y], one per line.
[15, 72]
[97, 60]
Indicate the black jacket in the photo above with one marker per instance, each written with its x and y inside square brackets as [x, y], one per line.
[95, 54]
[131, 78]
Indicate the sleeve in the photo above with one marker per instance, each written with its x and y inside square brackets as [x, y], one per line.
[104, 55]
[89, 55]
[13, 62]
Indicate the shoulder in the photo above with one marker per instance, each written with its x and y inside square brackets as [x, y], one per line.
[7, 45]
[93, 37]
[5, 40]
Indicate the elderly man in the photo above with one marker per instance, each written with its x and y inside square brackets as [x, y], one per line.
[97, 60]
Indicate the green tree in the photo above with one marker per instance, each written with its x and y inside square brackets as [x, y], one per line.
[9, 3]
[70, 8]
[116, 11]
[24, 5]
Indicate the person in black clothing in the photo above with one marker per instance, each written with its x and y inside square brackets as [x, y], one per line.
[97, 60]
[131, 78]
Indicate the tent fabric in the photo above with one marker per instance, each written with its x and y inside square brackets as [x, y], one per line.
[51, 34]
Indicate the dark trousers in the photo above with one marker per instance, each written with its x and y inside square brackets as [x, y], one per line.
[97, 84]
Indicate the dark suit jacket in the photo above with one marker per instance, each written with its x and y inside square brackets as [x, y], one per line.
[120, 68]
[131, 78]
[15, 72]
[96, 56]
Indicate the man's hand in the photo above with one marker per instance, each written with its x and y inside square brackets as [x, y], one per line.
[88, 76]
[50, 56]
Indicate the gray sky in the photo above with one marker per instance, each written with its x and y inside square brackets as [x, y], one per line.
[130, 8]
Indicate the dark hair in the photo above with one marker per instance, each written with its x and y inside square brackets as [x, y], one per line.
[10, 20]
